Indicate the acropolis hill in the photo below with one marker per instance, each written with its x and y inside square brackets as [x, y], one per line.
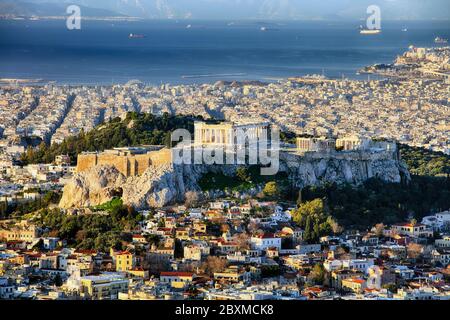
[133, 161]
[147, 177]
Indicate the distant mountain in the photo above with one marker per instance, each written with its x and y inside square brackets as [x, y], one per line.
[37, 8]
[247, 9]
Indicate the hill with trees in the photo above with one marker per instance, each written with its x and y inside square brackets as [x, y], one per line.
[425, 162]
[136, 129]
[376, 201]
[95, 231]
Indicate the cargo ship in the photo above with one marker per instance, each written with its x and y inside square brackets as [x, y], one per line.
[368, 31]
[136, 36]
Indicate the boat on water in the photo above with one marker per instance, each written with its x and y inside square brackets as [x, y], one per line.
[265, 29]
[136, 36]
[405, 30]
[440, 40]
[370, 31]
[363, 30]
[188, 26]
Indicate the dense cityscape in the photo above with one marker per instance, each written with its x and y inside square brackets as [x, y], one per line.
[87, 227]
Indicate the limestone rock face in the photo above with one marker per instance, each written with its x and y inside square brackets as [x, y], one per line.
[93, 187]
[341, 171]
[165, 184]
[316, 171]
[160, 185]
[156, 187]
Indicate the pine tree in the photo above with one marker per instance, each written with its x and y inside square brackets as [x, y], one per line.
[58, 280]
[316, 228]
[300, 197]
[307, 235]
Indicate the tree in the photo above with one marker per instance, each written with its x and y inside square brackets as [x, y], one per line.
[342, 253]
[57, 280]
[313, 216]
[379, 228]
[69, 228]
[318, 274]
[192, 199]
[38, 246]
[308, 233]
[334, 225]
[271, 189]
[270, 271]
[391, 287]
[314, 209]
[81, 235]
[153, 239]
[214, 264]
[299, 198]
[242, 241]
[242, 174]
[224, 228]
[414, 251]
[316, 231]
[252, 227]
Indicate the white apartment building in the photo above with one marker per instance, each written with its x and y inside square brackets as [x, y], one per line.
[265, 241]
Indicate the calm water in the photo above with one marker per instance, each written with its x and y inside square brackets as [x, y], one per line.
[171, 53]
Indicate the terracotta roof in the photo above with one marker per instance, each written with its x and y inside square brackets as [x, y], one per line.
[164, 229]
[314, 289]
[137, 269]
[360, 281]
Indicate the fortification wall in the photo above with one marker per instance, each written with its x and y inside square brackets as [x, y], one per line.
[163, 156]
[86, 161]
[128, 165]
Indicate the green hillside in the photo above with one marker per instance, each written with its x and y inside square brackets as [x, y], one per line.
[424, 162]
[136, 129]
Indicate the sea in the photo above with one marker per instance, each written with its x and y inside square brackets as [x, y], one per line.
[189, 51]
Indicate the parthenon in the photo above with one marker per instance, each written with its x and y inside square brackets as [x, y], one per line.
[226, 133]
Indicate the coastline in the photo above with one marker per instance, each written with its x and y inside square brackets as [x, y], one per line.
[170, 54]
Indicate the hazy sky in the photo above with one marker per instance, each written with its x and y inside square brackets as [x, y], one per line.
[254, 9]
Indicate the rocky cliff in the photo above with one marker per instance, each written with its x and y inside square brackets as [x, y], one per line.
[165, 184]
[93, 187]
[353, 168]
